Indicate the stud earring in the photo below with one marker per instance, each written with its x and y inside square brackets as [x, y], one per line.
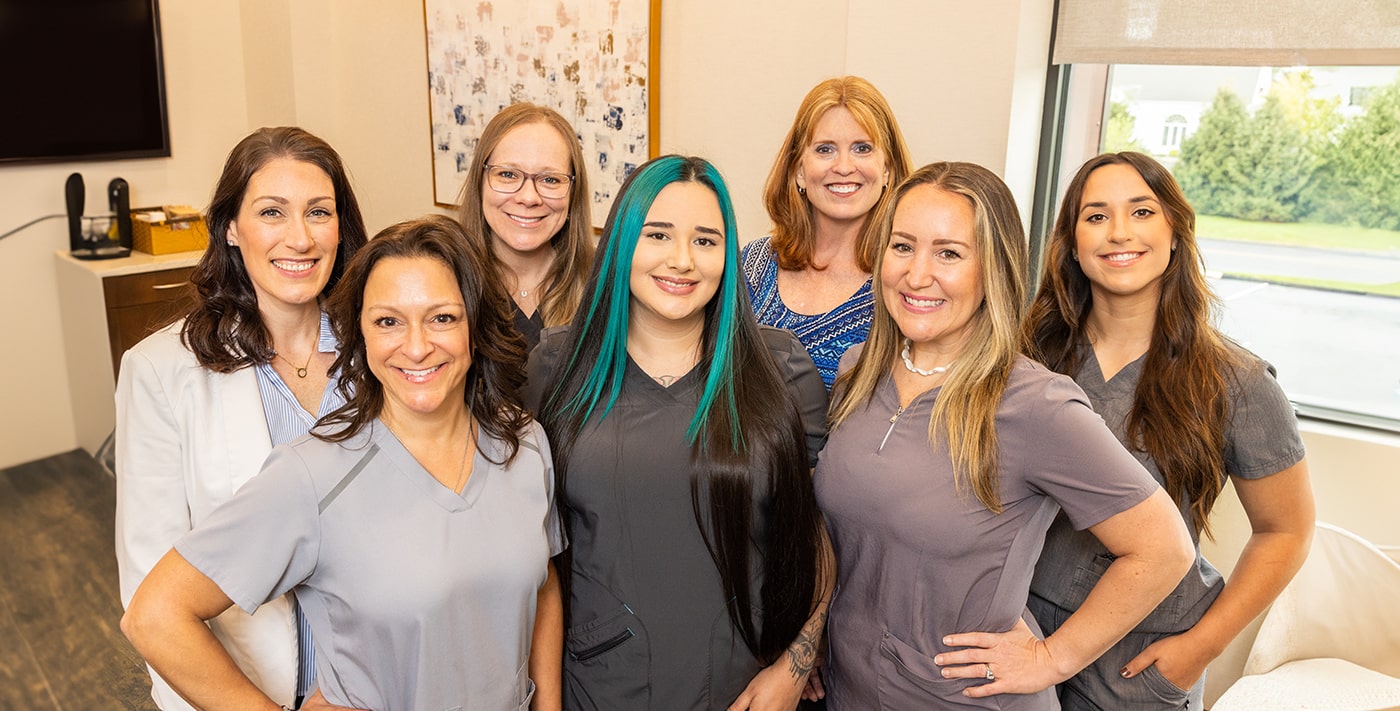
[1074, 256]
[802, 191]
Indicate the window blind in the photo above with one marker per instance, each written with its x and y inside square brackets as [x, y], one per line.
[1228, 32]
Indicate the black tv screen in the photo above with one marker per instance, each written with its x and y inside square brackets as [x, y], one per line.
[81, 80]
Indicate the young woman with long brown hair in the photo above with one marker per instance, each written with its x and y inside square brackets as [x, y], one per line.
[1125, 309]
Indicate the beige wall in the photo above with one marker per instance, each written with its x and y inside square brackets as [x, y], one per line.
[204, 73]
[1356, 481]
[965, 80]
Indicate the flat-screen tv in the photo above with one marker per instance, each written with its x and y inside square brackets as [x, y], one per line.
[81, 80]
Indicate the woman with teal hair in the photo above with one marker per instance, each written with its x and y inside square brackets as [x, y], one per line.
[683, 436]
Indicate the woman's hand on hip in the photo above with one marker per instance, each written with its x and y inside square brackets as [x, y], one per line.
[1012, 662]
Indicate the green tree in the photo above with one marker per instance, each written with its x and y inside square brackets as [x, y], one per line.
[1275, 166]
[1317, 121]
[1118, 130]
[1317, 118]
[1212, 169]
[1360, 182]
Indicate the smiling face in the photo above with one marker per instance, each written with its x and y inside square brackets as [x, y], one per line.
[417, 343]
[522, 221]
[842, 169]
[931, 275]
[287, 232]
[1123, 240]
[679, 260]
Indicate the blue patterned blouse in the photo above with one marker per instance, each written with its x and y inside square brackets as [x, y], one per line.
[825, 336]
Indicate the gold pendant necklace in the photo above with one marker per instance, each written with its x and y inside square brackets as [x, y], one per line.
[301, 371]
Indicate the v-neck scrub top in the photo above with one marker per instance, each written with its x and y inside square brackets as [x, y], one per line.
[1261, 439]
[918, 560]
[418, 597]
[649, 625]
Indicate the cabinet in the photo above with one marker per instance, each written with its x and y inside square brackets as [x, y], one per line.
[107, 307]
[138, 304]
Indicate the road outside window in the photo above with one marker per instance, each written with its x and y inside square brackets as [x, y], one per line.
[1295, 177]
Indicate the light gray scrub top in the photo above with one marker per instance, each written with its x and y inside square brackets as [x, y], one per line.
[917, 560]
[1261, 439]
[418, 597]
[649, 626]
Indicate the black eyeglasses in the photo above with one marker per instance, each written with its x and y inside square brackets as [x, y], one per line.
[505, 179]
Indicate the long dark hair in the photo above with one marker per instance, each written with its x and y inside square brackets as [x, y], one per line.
[746, 422]
[498, 352]
[1181, 405]
[224, 329]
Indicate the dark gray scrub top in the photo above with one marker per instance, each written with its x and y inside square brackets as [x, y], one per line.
[649, 628]
[917, 560]
[418, 597]
[1261, 438]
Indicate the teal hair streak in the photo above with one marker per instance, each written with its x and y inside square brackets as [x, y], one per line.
[612, 296]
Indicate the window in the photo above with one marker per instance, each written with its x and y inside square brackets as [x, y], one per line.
[1294, 173]
[1173, 132]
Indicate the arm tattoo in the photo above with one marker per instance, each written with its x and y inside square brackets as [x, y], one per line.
[802, 653]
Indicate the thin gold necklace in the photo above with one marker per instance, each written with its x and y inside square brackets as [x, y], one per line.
[462, 467]
[301, 371]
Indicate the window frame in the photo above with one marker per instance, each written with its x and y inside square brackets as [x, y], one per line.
[1075, 115]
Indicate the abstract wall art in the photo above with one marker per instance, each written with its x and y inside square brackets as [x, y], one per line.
[594, 61]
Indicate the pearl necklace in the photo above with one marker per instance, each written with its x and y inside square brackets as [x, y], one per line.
[909, 363]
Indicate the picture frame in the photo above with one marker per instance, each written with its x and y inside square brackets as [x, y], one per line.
[594, 61]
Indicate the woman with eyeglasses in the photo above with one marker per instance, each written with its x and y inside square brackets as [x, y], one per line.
[526, 196]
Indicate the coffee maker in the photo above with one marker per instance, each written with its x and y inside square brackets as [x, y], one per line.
[91, 244]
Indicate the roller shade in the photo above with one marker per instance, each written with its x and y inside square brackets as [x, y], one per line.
[1229, 32]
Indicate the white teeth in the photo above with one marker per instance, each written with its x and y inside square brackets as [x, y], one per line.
[843, 189]
[419, 373]
[677, 284]
[298, 266]
[923, 303]
[526, 220]
[1122, 256]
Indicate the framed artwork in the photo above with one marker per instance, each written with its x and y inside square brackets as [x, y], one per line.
[594, 61]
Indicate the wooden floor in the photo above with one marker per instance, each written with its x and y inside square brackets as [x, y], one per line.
[60, 645]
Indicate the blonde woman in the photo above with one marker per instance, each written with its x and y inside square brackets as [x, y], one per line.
[949, 455]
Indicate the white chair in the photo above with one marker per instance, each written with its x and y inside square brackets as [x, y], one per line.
[1331, 641]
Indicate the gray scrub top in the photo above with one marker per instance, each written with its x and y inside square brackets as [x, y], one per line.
[917, 560]
[418, 597]
[1261, 439]
[649, 627]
